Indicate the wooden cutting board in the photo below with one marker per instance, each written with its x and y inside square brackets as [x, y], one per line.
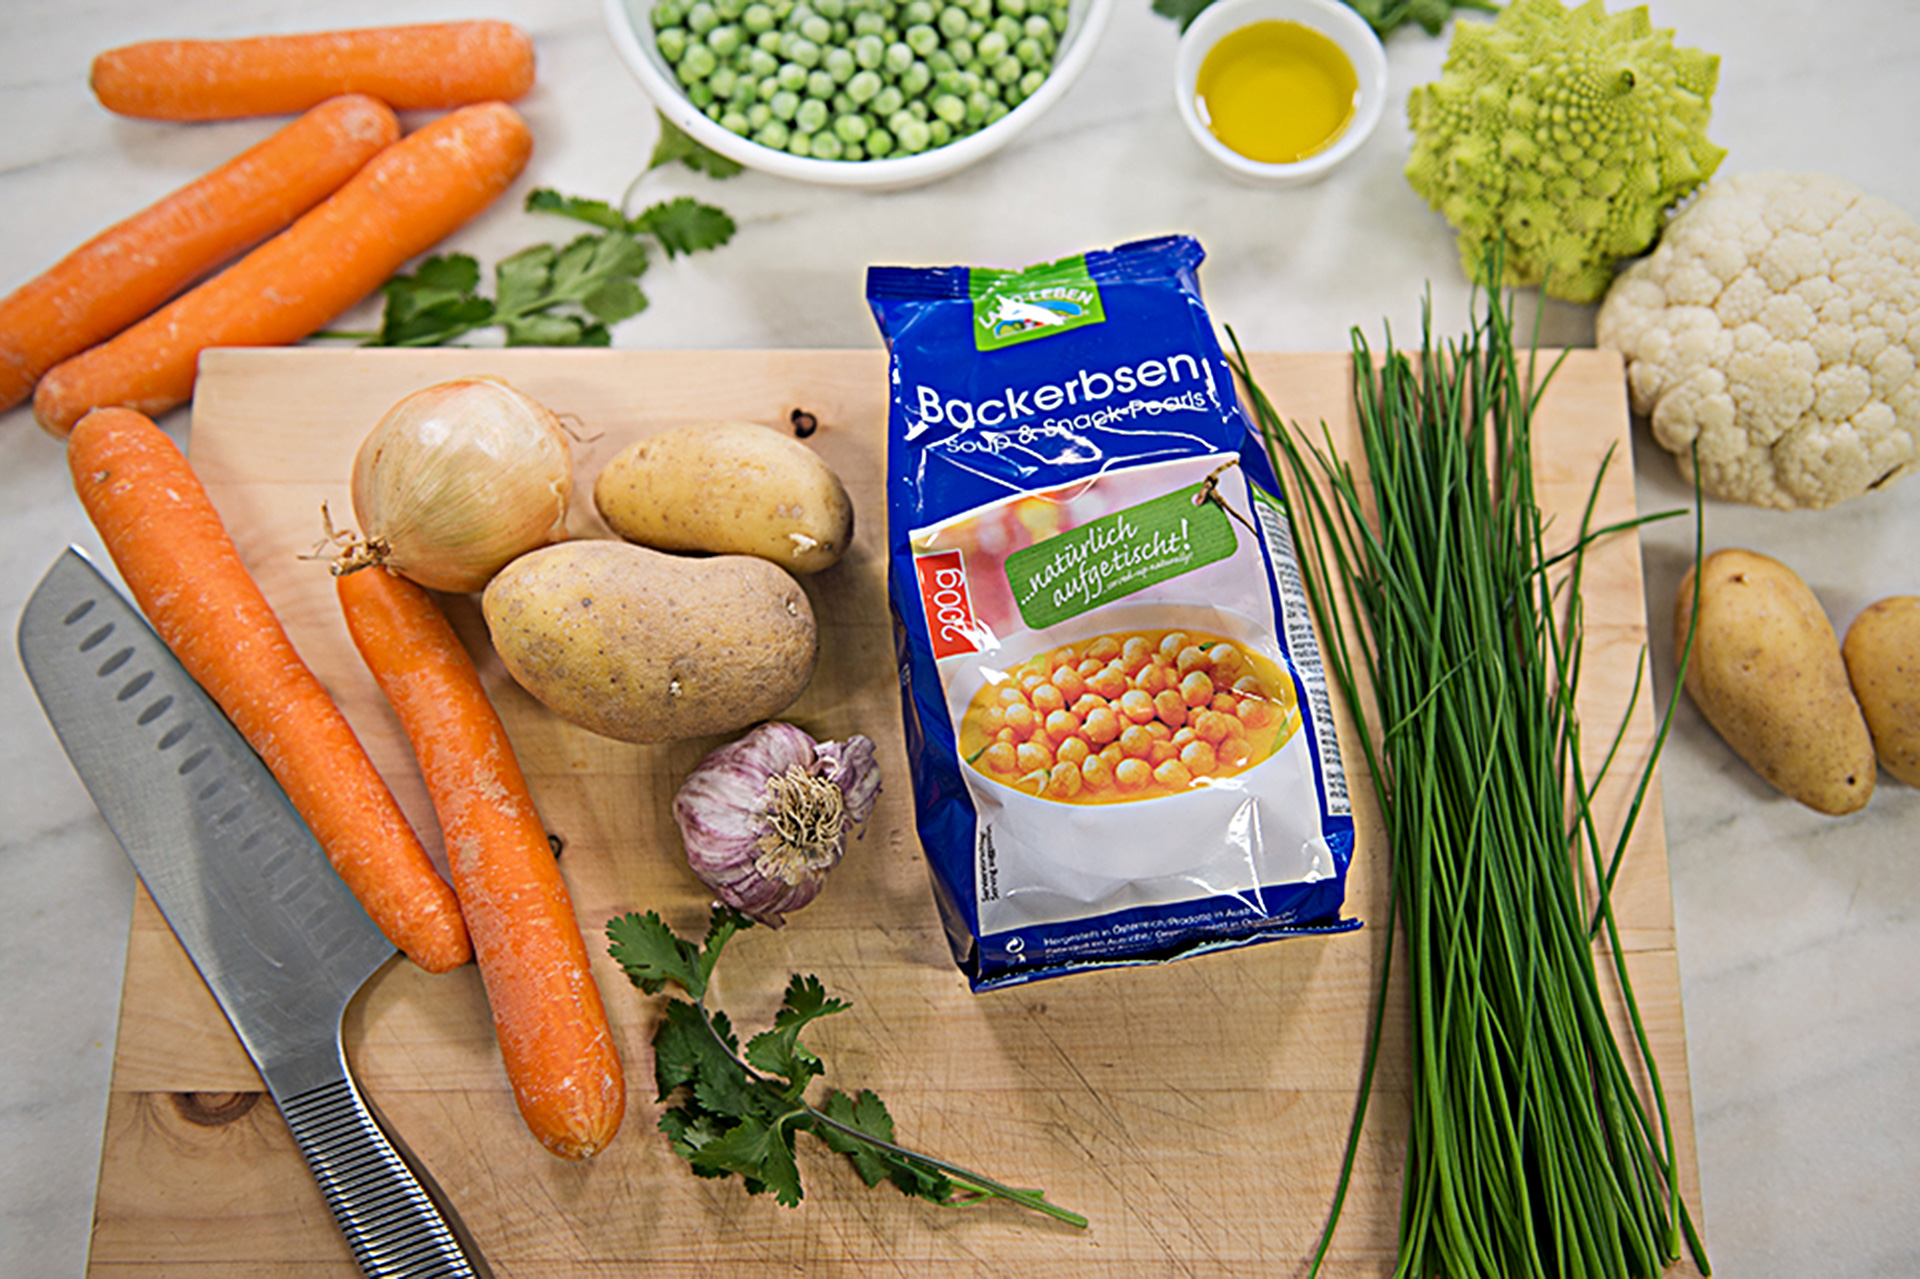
[1195, 1112]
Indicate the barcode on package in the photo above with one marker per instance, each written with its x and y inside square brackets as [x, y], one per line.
[1297, 622]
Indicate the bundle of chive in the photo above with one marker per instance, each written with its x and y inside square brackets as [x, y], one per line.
[1530, 1153]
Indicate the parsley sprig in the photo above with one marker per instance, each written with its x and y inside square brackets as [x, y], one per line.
[738, 1113]
[550, 295]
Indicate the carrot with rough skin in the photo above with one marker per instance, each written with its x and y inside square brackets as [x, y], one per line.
[401, 203]
[547, 1012]
[424, 67]
[174, 554]
[125, 272]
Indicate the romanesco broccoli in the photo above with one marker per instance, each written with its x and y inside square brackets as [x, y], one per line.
[1568, 133]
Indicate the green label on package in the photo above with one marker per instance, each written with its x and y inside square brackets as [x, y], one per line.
[1116, 555]
[1038, 302]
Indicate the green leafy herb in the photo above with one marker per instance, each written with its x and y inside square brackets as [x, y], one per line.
[1384, 16]
[549, 295]
[675, 145]
[736, 1113]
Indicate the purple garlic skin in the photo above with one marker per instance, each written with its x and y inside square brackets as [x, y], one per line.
[764, 818]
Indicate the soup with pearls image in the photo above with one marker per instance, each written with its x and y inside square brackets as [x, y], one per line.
[1129, 715]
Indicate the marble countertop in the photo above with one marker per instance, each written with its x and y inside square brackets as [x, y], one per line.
[1799, 937]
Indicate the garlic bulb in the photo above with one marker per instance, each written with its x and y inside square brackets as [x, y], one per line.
[458, 479]
[766, 817]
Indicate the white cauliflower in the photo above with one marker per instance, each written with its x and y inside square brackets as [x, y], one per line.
[1778, 324]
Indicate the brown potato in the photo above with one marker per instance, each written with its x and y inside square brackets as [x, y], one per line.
[1883, 662]
[1766, 672]
[646, 647]
[729, 488]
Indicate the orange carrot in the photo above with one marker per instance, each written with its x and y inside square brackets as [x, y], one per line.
[428, 67]
[176, 558]
[547, 1014]
[405, 200]
[126, 271]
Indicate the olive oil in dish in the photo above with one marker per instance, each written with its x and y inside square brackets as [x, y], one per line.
[1276, 92]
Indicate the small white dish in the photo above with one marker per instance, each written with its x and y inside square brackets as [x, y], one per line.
[629, 23]
[1330, 18]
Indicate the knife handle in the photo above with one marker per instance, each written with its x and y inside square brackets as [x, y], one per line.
[394, 1227]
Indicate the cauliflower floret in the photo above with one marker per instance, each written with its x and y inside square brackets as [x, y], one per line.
[1777, 324]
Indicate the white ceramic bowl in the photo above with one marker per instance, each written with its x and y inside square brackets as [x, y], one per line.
[1330, 18]
[629, 23]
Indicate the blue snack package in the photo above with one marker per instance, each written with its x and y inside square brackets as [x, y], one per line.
[1118, 723]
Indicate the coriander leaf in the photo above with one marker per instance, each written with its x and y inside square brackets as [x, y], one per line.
[736, 1115]
[760, 1151]
[435, 302]
[555, 330]
[595, 212]
[675, 145]
[652, 955]
[1181, 11]
[684, 225]
[614, 301]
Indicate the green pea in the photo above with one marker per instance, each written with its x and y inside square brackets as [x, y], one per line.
[1030, 83]
[867, 23]
[941, 60]
[735, 122]
[667, 13]
[1016, 8]
[977, 104]
[772, 134]
[953, 21]
[839, 64]
[830, 8]
[899, 57]
[729, 10]
[922, 39]
[812, 115]
[825, 147]
[700, 95]
[853, 151]
[888, 100]
[1008, 70]
[1037, 27]
[817, 29]
[792, 76]
[949, 108]
[995, 112]
[961, 51]
[800, 144]
[918, 11]
[915, 80]
[771, 41]
[992, 47]
[696, 64]
[802, 50]
[913, 135]
[850, 128]
[702, 18]
[878, 143]
[757, 18]
[761, 64]
[758, 115]
[723, 82]
[672, 44]
[864, 86]
[785, 104]
[1030, 54]
[939, 132]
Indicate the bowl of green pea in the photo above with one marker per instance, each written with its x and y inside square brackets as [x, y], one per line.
[860, 93]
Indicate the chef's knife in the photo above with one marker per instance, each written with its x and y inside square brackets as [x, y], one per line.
[247, 890]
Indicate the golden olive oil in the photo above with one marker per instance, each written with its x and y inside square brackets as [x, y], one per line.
[1276, 92]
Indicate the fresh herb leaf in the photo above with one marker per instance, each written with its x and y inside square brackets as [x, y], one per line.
[737, 1114]
[548, 295]
[676, 145]
[1384, 16]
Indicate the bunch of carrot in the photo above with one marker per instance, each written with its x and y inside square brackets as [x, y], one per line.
[336, 201]
[324, 211]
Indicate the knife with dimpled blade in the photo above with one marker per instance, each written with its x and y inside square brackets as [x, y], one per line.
[245, 887]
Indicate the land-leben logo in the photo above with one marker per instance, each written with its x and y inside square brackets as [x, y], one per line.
[1019, 306]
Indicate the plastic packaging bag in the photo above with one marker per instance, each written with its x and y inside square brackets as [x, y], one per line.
[1121, 743]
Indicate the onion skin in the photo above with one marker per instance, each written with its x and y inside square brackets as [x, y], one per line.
[458, 479]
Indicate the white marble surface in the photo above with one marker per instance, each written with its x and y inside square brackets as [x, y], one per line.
[1799, 938]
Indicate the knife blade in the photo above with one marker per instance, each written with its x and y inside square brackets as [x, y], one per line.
[270, 926]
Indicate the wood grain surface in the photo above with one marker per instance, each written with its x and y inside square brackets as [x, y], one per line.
[1195, 1111]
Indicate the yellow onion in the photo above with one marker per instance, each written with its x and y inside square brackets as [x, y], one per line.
[456, 480]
